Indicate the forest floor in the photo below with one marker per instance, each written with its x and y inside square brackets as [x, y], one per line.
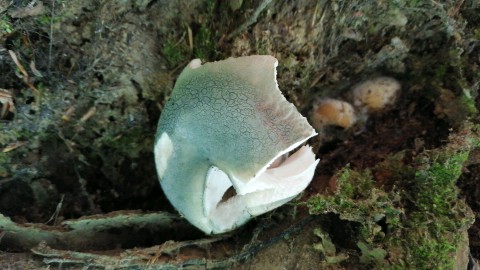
[84, 83]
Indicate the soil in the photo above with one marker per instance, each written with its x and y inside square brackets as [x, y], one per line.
[92, 78]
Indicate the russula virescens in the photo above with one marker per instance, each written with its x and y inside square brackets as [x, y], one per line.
[227, 124]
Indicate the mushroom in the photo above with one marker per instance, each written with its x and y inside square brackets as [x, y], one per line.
[227, 125]
[376, 94]
[333, 112]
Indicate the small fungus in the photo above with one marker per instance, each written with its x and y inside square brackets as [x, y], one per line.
[376, 94]
[333, 112]
[227, 125]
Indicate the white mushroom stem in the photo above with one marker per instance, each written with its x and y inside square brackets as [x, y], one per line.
[269, 190]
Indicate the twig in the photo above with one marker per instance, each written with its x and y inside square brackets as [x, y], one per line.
[129, 259]
[14, 57]
[6, 180]
[134, 259]
[190, 38]
[13, 146]
[251, 20]
[88, 114]
[2, 234]
[57, 211]
[26, 78]
[453, 11]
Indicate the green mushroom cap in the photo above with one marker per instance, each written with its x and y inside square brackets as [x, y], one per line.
[227, 121]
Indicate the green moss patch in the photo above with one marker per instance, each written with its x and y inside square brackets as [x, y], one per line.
[419, 223]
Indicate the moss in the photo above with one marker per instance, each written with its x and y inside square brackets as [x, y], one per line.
[356, 199]
[327, 248]
[430, 231]
[263, 44]
[440, 72]
[424, 222]
[4, 164]
[433, 226]
[5, 26]
[205, 38]
[467, 101]
[204, 41]
[128, 142]
[373, 256]
[175, 53]
[476, 33]
[437, 181]
[47, 19]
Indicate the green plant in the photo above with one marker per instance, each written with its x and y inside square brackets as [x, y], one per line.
[5, 25]
[175, 53]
